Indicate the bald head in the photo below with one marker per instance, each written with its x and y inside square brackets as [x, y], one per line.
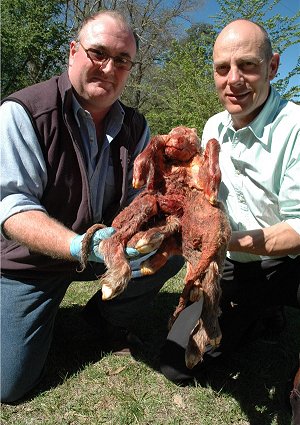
[249, 33]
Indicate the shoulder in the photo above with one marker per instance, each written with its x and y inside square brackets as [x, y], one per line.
[289, 108]
[283, 111]
[38, 98]
[214, 126]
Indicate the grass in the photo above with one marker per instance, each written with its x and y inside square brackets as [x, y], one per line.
[84, 386]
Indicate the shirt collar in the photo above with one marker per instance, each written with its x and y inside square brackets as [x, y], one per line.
[260, 125]
[116, 111]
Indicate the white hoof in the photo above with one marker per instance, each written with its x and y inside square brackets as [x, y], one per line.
[107, 292]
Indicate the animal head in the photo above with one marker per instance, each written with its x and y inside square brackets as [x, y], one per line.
[181, 144]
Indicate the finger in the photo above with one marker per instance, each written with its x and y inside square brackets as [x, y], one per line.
[105, 233]
[131, 252]
[136, 274]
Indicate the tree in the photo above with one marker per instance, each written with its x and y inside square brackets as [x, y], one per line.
[33, 42]
[39, 37]
[185, 92]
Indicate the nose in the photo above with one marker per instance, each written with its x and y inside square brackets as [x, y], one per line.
[107, 64]
[235, 76]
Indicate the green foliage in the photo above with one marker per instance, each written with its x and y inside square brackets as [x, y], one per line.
[185, 93]
[33, 42]
[173, 84]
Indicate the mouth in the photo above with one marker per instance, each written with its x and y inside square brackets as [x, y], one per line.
[237, 97]
[100, 80]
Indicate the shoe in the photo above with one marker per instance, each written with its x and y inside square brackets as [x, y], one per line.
[114, 339]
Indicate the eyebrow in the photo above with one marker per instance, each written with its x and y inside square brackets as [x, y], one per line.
[100, 47]
[242, 59]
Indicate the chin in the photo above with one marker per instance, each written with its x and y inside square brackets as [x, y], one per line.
[234, 109]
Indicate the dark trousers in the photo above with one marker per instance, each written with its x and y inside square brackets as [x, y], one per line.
[248, 289]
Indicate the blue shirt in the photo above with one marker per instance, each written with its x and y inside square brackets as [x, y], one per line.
[260, 167]
[23, 168]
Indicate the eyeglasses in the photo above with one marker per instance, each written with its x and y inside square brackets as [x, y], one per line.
[100, 58]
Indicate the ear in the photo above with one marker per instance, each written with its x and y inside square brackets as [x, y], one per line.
[73, 50]
[273, 66]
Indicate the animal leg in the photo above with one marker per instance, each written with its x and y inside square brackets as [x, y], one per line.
[128, 222]
[170, 246]
[211, 311]
[118, 273]
[148, 165]
[196, 345]
[148, 240]
[183, 299]
[207, 330]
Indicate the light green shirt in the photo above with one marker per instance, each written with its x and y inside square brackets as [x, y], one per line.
[260, 167]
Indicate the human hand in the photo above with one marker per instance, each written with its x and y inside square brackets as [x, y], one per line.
[94, 254]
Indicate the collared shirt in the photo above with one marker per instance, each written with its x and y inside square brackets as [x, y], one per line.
[260, 167]
[23, 168]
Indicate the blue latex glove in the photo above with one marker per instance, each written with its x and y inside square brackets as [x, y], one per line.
[94, 254]
[136, 265]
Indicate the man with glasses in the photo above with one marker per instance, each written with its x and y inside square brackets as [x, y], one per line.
[68, 146]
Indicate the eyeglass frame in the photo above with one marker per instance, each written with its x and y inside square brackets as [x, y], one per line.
[107, 58]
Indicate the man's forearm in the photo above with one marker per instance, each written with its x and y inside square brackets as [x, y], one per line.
[40, 233]
[279, 239]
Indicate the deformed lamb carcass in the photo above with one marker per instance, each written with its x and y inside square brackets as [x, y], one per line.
[177, 213]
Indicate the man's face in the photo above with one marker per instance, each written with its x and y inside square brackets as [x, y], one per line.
[241, 71]
[98, 87]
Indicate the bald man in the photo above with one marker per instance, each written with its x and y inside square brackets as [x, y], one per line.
[259, 133]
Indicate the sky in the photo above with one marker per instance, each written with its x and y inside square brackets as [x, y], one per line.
[284, 8]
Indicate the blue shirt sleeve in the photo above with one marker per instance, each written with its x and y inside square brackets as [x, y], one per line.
[23, 169]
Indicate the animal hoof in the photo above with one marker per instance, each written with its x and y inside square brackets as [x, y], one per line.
[146, 271]
[147, 245]
[191, 361]
[215, 342]
[138, 183]
[107, 292]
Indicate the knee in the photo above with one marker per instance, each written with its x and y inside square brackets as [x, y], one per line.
[11, 393]
[18, 379]
[14, 388]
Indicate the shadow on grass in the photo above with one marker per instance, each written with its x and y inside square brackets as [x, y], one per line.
[259, 375]
[256, 376]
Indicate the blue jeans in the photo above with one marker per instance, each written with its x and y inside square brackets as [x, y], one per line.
[28, 311]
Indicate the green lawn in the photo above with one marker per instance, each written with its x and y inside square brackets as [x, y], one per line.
[82, 386]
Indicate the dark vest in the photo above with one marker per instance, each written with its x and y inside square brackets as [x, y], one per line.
[66, 196]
